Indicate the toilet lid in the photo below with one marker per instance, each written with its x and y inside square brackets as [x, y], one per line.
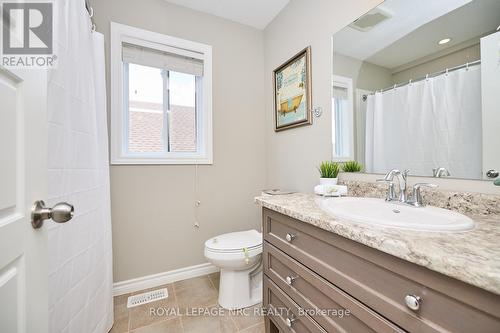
[235, 241]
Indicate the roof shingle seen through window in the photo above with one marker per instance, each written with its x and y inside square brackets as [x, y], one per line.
[146, 128]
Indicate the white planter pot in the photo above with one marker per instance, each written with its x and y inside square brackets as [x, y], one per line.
[328, 181]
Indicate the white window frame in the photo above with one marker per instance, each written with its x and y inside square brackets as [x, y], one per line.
[204, 140]
[347, 83]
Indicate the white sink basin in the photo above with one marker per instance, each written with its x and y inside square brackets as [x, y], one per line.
[378, 212]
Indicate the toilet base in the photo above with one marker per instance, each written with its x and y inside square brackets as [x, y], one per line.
[238, 290]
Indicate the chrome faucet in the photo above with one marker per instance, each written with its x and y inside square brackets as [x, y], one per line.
[401, 176]
[440, 172]
[414, 200]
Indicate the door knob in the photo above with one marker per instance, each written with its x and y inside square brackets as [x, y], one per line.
[60, 213]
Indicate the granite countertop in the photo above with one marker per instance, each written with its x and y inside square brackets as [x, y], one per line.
[472, 256]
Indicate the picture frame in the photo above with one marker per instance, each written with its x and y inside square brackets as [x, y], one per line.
[292, 92]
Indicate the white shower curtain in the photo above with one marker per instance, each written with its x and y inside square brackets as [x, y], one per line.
[80, 257]
[427, 124]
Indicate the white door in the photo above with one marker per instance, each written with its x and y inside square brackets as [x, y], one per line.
[23, 180]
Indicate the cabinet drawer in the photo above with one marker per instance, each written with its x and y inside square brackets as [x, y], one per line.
[285, 313]
[325, 303]
[381, 281]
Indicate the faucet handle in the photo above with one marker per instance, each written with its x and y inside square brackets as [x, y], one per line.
[389, 176]
[416, 199]
[440, 172]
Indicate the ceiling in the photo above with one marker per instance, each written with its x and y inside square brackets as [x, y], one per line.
[255, 13]
[415, 28]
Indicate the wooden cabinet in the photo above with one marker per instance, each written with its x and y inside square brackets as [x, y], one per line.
[285, 312]
[344, 286]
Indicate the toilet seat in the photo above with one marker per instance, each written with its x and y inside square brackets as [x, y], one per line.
[235, 242]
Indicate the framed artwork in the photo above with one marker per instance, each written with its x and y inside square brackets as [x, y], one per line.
[292, 92]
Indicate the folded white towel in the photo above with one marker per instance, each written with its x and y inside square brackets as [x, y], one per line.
[330, 190]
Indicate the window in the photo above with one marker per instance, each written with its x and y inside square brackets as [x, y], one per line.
[160, 99]
[342, 119]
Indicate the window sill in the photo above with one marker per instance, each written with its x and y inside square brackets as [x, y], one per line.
[160, 161]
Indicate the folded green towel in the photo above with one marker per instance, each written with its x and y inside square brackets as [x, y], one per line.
[497, 182]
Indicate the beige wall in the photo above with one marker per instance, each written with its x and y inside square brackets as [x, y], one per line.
[365, 75]
[152, 206]
[292, 155]
[373, 77]
[460, 57]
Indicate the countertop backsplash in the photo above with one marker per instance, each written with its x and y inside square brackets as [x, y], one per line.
[463, 202]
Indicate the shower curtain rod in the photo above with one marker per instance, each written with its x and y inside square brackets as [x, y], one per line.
[447, 70]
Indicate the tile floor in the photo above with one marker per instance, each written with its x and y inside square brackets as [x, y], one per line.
[187, 295]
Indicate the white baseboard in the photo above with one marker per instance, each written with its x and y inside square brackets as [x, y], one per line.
[155, 280]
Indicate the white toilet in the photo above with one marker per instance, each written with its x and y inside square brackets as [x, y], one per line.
[239, 257]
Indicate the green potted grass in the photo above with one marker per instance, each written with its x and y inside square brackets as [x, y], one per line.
[351, 166]
[328, 171]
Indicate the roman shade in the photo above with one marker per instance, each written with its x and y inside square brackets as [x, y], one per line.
[156, 58]
[340, 92]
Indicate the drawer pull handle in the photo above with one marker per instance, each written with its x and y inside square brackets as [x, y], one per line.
[413, 302]
[290, 279]
[290, 237]
[289, 321]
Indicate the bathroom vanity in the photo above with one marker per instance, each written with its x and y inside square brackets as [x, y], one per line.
[323, 274]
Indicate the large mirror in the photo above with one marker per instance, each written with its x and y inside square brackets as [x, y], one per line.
[416, 85]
